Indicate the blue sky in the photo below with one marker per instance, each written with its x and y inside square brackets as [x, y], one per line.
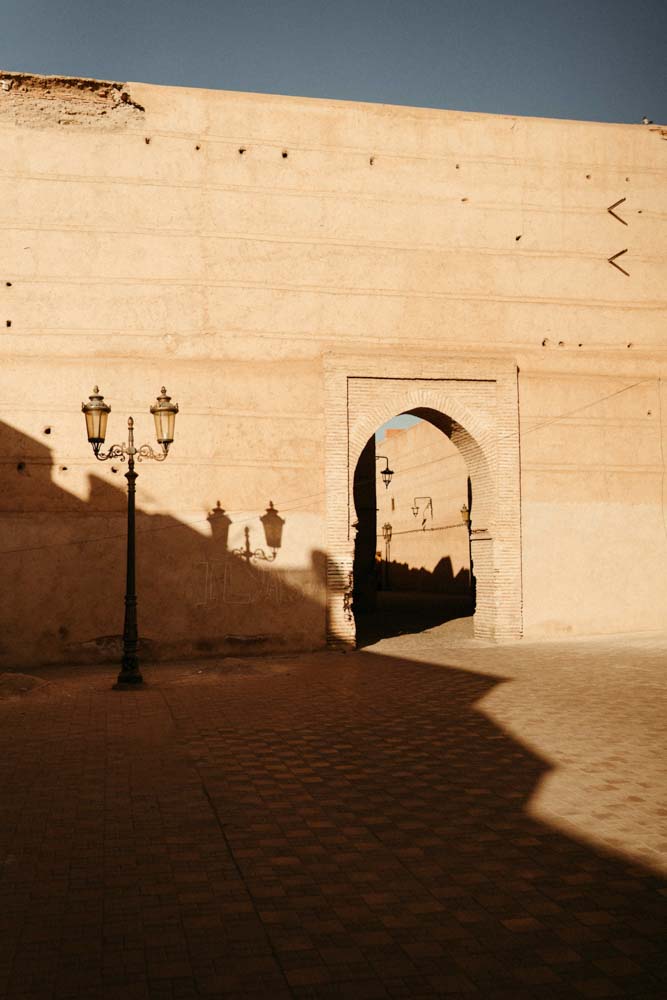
[585, 59]
[402, 421]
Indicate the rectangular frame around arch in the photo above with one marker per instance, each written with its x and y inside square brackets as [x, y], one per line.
[504, 569]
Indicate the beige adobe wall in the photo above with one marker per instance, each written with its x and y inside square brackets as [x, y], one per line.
[428, 466]
[222, 244]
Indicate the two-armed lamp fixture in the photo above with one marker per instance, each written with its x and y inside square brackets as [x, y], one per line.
[96, 412]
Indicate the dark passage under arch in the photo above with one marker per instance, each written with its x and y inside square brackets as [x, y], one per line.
[412, 566]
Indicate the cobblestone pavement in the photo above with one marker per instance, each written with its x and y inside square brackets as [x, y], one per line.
[432, 817]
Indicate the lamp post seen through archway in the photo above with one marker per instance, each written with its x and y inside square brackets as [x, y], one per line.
[387, 532]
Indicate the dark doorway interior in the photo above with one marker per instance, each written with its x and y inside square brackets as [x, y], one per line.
[391, 596]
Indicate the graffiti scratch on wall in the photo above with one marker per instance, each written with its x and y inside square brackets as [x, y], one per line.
[225, 582]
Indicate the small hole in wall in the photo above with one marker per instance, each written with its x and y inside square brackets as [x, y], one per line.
[8, 283]
[372, 160]
[147, 140]
[580, 345]
[20, 467]
[639, 211]
[649, 412]
[8, 322]
[629, 345]
[47, 430]
[627, 178]
[241, 150]
[197, 147]
[63, 468]
[114, 469]
[464, 199]
[561, 343]
[458, 167]
[285, 154]
[588, 177]
[517, 238]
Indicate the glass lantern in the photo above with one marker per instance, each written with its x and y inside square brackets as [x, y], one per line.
[164, 413]
[96, 412]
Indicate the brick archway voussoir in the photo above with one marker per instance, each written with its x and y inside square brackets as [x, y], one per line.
[368, 423]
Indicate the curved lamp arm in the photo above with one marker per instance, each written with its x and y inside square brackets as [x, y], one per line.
[115, 451]
[145, 451]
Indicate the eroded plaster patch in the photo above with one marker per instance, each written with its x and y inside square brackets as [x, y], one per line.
[53, 101]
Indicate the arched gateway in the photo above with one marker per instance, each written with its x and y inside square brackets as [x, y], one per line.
[474, 402]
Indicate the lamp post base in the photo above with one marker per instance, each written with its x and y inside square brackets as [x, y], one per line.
[127, 680]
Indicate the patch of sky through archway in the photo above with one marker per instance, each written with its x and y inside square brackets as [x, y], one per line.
[401, 422]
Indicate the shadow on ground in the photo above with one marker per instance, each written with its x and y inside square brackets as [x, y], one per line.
[405, 612]
[323, 826]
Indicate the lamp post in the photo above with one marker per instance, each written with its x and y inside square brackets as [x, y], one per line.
[386, 473]
[96, 412]
[465, 519]
[386, 534]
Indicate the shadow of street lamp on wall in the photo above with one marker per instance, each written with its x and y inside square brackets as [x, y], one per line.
[220, 523]
[272, 523]
[96, 412]
[427, 507]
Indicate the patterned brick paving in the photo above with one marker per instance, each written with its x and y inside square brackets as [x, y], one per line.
[417, 820]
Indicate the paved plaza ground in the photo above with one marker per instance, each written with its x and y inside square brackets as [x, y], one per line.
[431, 816]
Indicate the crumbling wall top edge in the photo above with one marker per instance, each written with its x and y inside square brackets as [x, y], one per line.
[17, 76]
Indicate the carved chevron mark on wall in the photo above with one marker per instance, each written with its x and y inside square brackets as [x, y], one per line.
[612, 261]
[612, 212]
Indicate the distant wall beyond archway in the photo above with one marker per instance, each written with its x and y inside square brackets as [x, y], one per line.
[475, 403]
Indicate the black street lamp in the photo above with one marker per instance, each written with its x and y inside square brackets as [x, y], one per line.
[386, 473]
[97, 412]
